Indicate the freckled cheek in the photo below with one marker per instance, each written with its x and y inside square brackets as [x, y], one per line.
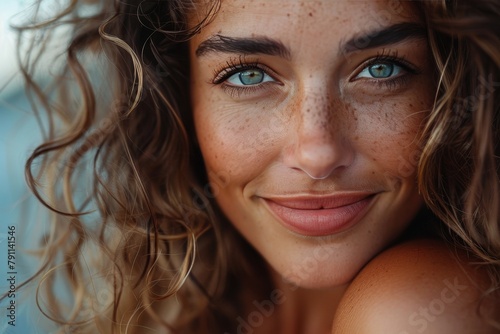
[388, 135]
[234, 138]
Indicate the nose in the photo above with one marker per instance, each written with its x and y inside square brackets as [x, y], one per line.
[319, 147]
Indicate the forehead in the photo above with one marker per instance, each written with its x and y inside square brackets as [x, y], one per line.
[292, 20]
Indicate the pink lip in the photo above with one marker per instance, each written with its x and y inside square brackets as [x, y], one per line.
[320, 216]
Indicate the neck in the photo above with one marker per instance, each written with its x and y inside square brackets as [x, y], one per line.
[293, 310]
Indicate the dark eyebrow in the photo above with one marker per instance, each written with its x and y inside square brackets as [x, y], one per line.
[242, 45]
[385, 36]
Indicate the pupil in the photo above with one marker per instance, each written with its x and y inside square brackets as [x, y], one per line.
[251, 77]
[381, 70]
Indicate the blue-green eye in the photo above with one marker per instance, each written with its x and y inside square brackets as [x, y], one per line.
[249, 77]
[380, 70]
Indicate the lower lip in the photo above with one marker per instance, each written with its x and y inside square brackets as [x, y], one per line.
[320, 222]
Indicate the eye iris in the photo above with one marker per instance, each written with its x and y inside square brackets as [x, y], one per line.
[381, 70]
[251, 77]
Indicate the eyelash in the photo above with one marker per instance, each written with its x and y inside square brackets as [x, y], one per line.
[234, 66]
[392, 58]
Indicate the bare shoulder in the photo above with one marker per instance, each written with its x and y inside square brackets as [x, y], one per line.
[416, 287]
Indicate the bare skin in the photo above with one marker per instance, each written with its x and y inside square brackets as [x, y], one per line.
[312, 109]
[416, 287]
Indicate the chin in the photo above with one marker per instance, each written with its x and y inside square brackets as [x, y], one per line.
[319, 274]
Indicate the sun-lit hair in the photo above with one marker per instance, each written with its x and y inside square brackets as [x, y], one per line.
[134, 231]
[460, 162]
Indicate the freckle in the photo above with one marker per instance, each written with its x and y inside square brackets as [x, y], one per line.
[311, 14]
[411, 105]
[356, 138]
[308, 110]
[288, 14]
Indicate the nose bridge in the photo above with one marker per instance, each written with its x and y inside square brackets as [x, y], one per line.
[319, 147]
[315, 115]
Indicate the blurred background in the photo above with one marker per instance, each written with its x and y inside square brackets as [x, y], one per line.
[18, 136]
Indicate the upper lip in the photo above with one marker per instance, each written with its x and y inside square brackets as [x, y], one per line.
[314, 202]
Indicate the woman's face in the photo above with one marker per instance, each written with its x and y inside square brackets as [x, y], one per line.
[307, 114]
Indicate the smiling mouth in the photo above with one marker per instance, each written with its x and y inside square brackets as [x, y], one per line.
[320, 216]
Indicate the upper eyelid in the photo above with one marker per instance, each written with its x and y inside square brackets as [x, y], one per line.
[225, 73]
[239, 64]
[399, 61]
[387, 59]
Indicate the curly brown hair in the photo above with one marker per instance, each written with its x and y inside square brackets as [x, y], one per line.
[458, 170]
[160, 247]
